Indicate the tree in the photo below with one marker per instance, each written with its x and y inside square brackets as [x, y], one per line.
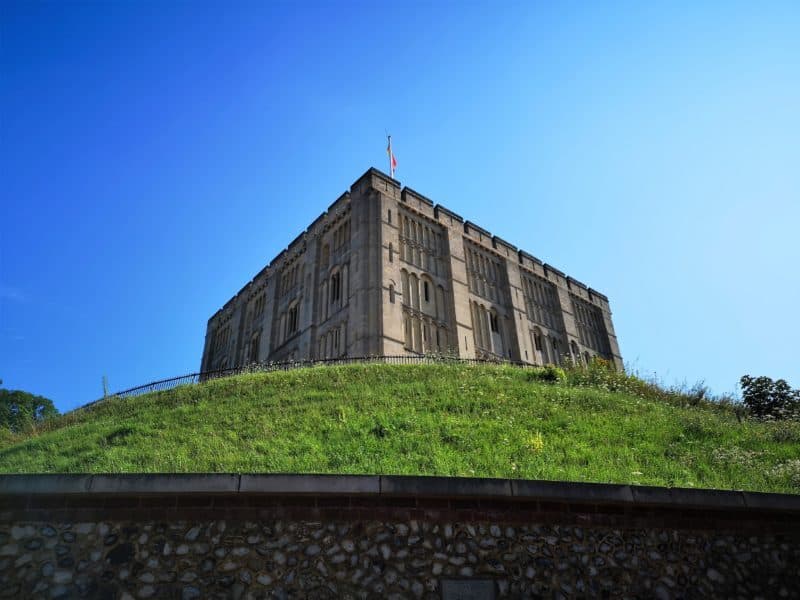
[767, 399]
[20, 410]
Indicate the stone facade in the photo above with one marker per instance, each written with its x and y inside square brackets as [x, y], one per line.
[385, 272]
[386, 559]
[344, 536]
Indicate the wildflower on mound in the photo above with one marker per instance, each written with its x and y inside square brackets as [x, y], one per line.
[789, 470]
[536, 442]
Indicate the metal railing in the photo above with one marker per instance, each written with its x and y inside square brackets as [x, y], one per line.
[173, 382]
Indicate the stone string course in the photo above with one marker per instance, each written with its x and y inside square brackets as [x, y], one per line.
[371, 559]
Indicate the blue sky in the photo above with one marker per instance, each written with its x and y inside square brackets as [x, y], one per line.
[155, 156]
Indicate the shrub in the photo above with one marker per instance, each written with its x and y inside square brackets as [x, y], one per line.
[554, 374]
[602, 374]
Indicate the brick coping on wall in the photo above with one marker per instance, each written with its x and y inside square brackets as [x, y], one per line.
[353, 497]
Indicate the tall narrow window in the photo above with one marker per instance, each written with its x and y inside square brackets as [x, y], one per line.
[254, 344]
[292, 321]
[390, 216]
[336, 288]
[426, 291]
[391, 293]
[326, 254]
[493, 321]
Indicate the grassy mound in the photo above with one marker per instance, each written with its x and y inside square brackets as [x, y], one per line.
[485, 421]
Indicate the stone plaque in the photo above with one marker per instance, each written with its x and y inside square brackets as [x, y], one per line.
[467, 589]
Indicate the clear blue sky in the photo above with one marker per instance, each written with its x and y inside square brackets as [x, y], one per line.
[156, 155]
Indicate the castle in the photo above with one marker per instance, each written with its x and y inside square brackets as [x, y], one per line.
[386, 272]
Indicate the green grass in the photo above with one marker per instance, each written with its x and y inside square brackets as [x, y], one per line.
[484, 421]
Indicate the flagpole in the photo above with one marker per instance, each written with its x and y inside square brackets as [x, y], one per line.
[391, 167]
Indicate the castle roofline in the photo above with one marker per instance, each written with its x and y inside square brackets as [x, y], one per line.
[439, 208]
[572, 281]
[373, 172]
[552, 269]
[470, 225]
[498, 241]
[530, 257]
[417, 195]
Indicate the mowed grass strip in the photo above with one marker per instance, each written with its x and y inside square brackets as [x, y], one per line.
[456, 420]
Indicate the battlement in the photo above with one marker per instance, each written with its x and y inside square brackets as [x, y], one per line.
[501, 245]
[446, 212]
[524, 256]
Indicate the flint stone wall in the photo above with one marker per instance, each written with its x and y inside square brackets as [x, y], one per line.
[396, 544]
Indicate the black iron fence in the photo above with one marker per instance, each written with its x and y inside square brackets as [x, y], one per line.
[173, 382]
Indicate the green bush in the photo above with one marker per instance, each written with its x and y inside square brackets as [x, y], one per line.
[547, 374]
[554, 374]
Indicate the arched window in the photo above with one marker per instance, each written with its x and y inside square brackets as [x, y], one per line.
[391, 293]
[576, 353]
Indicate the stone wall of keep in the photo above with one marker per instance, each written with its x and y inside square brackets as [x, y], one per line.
[229, 536]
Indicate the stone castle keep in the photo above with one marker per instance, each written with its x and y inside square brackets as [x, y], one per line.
[386, 272]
